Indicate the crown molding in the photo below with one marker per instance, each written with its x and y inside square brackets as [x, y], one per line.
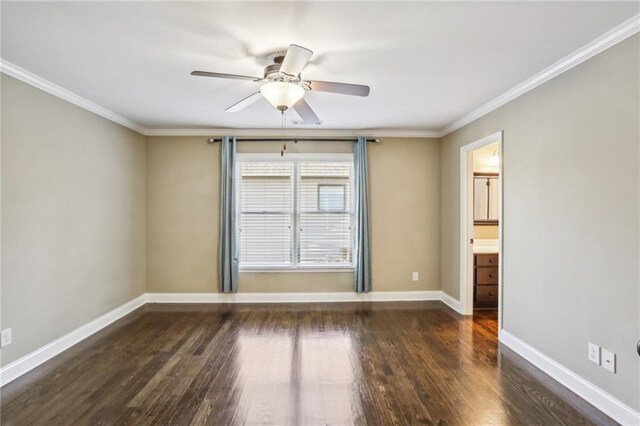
[34, 80]
[605, 41]
[21, 74]
[612, 37]
[319, 133]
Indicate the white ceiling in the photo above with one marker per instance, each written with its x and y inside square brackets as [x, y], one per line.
[427, 64]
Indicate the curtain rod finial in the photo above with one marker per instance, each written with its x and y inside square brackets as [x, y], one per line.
[211, 141]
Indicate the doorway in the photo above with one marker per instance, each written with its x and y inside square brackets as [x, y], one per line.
[481, 224]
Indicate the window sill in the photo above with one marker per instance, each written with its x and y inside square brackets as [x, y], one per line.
[286, 270]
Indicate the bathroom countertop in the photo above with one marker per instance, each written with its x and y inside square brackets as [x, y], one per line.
[486, 246]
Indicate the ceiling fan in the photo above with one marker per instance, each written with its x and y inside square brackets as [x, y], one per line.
[284, 87]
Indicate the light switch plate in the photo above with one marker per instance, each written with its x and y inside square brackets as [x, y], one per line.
[415, 276]
[6, 337]
[594, 353]
[609, 360]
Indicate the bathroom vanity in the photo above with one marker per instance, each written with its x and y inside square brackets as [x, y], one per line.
[485, 274]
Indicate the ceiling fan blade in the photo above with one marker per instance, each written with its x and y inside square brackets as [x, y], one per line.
[238, 106]
[342, 88]
[305, 112]
[220, 75]
[295, 59]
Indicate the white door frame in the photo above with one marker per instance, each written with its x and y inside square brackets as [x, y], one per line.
[466, 223]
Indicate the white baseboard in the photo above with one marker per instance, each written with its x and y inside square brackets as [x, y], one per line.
[30, 361]
[586, 390]
[451, 302]
[380, 296]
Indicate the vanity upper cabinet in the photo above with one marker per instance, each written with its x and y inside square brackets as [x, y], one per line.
[485, 199]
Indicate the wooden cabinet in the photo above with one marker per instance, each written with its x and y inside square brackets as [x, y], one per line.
[485, 199]
[485, 280]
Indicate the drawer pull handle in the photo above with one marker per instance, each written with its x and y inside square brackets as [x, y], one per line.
[490, 275]
[490, 260]
[491, 293]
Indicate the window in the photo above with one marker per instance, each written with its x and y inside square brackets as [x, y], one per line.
[332, 198]
[295, 211]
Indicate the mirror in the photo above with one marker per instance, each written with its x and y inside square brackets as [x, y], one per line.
[485, 198]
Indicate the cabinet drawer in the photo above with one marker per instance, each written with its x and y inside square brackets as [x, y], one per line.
[487, 295]
[487, 259]
[487, 275]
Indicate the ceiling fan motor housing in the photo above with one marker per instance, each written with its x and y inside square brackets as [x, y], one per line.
[272, 71]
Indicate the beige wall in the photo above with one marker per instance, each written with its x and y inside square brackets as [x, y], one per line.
[486, 232]
[571, 215]
[182, 222]
[73, 216]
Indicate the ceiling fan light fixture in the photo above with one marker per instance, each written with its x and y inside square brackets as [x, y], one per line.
[282, 95]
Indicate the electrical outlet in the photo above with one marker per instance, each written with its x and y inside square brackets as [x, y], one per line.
[415, 276]
[609, 360]
[594, 353]
[6, 337]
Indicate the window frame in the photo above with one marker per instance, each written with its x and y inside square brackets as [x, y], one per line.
[295, 158]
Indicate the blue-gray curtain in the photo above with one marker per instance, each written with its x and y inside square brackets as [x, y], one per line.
[362, 273]
[227, 246]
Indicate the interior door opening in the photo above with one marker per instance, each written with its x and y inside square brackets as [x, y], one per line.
[481, 230]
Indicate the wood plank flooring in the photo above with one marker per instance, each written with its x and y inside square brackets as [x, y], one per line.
[293, 364]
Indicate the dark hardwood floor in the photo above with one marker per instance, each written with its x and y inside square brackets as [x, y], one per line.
[294, 364]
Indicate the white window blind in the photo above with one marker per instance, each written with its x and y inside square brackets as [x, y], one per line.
[296, 211]
[324, 213]
[266, 213]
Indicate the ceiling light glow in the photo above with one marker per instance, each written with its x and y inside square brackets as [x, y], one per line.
[282, 95]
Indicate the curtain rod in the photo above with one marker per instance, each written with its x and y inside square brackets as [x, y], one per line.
[296, 140]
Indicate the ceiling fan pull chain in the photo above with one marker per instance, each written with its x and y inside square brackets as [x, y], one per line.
[282, 132]
[283, 122]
